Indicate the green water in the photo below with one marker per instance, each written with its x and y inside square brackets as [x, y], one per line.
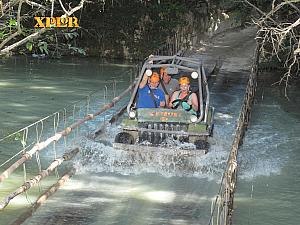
[115, 194]
[269, 177]
[268, 184]
[32, 89]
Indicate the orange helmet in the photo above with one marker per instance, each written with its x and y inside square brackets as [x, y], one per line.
[154, 77]
[184, 80]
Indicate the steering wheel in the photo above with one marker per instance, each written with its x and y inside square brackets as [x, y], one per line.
[180, 102]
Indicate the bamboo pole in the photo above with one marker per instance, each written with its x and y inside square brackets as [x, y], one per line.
[33, 181]
[42, 198]
[57, 136]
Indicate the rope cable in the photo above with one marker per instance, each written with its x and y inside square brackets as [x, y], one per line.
[38, 137]
[15, 155]
[105, 94]
[38, 160]
[47, 117]
[65, 125]
[55, 125]
[37, 154]
[74, 110]
[23, 142]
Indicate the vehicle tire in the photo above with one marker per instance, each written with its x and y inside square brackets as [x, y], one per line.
[201, 144]
[124, 138]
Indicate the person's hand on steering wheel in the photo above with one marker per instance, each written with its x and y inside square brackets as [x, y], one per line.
[180, 101]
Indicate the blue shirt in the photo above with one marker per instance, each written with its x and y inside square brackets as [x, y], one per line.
[146, 101]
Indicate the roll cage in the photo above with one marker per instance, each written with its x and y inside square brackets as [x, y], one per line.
[174, 64]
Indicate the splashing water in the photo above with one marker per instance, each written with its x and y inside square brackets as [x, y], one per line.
[100, 156]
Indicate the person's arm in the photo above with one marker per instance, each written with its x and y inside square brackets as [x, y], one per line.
[167, 97]
[173, 98]
[162, 103]
[194, 102]
[144, 81]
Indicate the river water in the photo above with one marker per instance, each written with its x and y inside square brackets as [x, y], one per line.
[106, 192]
[269, 177]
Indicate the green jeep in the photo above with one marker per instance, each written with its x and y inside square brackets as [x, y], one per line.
[156, 128]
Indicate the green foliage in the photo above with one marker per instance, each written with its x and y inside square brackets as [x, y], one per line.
[77, 50]
[112, 28]
[139, 27]
[43, 47]
[12, 22]
[3, 34]
[70, 35]
[29, 46]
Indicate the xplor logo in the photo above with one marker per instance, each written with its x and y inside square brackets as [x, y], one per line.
[48, 22]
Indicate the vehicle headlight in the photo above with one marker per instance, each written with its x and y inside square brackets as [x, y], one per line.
[194, 75]
[193, 118]
[132, 114]
[148, 72]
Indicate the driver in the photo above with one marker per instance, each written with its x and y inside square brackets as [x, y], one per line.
[149, 96]
[167, 84]
[184, 98]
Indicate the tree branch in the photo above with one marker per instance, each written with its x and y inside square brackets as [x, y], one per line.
[19, 31]
[69, 13]
[281, 38]
[24, 40]
[36, 34]
[36, 4]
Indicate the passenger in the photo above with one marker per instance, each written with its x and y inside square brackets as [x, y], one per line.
[184, 97]
[167, 84]
[149, 96]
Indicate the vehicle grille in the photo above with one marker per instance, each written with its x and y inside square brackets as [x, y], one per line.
[158, 137]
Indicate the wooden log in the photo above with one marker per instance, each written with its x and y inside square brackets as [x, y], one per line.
[57, 136]
[35, 180]
[42, 198]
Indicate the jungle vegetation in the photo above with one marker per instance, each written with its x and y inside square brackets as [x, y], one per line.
[135, 28]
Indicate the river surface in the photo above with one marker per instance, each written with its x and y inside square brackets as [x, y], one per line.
[268, 191]
[106, 192]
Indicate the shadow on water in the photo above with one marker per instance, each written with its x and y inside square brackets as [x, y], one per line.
[106, 198]
[32, 88]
